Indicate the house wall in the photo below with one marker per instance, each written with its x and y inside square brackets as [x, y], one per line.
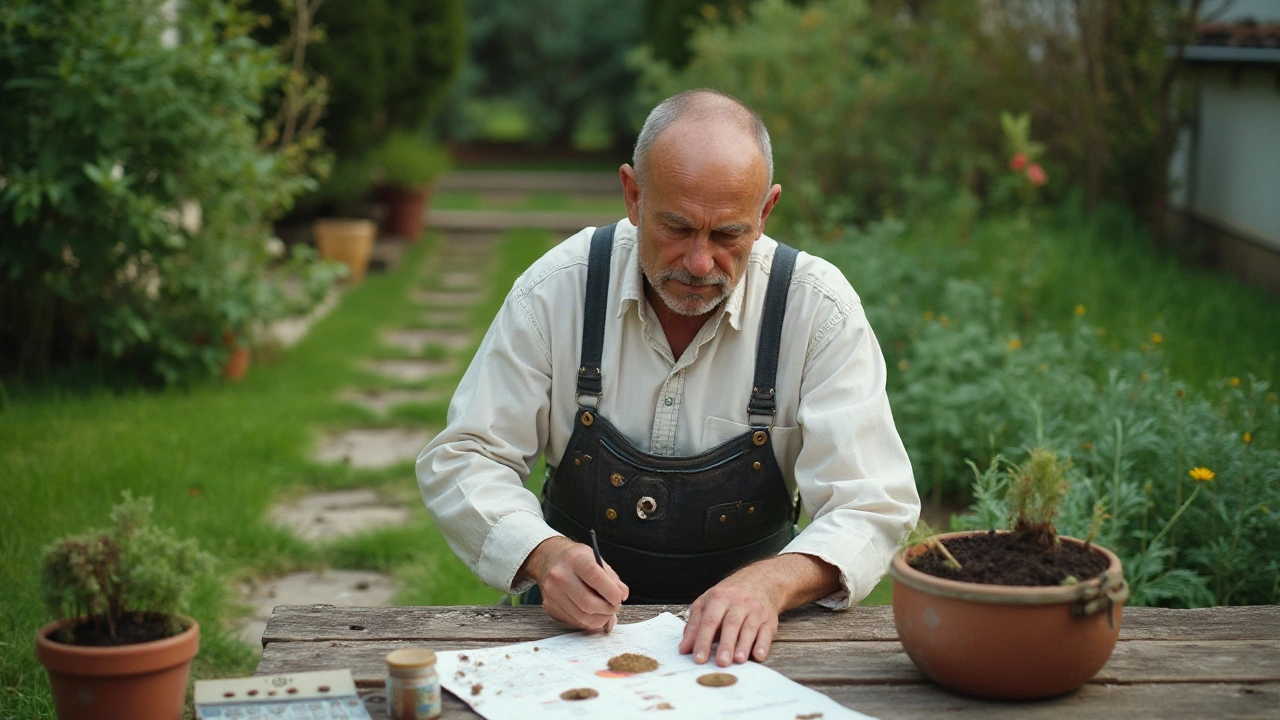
[1227, 170]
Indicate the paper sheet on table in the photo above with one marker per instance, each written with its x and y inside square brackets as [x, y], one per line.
[524, 681]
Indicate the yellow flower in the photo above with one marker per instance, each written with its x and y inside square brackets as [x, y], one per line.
[1157, 338]
[1201, 474]
[943, 319]
[1087, 446]
[1080, 310]
[1145, 377]
[903, 365]
[928, 316]
[1235, 382]
[1248, 438]
[1264, 509]
[1015, 344]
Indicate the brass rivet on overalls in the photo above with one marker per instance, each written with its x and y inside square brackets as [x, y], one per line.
[577, 461]
[755, 465]
[611, 514]
[759, 437]
[723, 518]
[588, 418]
[616, 480]
[751, 511]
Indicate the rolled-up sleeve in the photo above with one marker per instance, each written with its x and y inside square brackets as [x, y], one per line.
[472, 474]
[852, 471]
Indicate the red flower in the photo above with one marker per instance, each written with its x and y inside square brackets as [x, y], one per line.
[1017, 162]
[1036, 175]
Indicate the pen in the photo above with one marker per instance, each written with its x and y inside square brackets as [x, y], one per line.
[595, 548]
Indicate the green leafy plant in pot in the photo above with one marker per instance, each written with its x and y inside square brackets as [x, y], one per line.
[122, 650]
[1013, 614]
[403, 168]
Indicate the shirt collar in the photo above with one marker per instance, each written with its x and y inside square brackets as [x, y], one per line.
[632, 288]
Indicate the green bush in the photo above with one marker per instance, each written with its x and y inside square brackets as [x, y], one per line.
[539, 70]
[388, 65]
[134, 196]
[869, 115]
[406, 160]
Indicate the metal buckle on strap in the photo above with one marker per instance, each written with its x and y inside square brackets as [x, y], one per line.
[595, 401]
[751, 420]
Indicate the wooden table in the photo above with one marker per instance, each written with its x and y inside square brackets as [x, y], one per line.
[1210, 663]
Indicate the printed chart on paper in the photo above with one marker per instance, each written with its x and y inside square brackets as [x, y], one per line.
[569, 677]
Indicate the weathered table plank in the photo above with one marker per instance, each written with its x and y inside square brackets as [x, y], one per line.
[326, 622]
[1214, 662]
[850, 663]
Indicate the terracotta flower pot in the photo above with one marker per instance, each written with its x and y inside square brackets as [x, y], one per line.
[1007, 642]
[238, 361]
[406, 211]
[146, 681]
[347, 241]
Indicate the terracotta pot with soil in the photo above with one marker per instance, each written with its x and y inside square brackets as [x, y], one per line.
[1017, 614]
[140, 681]
[348, 241]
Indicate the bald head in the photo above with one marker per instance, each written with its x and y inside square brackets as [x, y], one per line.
[715, 112]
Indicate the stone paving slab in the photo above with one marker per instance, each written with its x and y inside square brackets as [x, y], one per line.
[373, 447]
[330, 515]
[330, 587]
[589, 183]
[474, 220]
[415, 341]
[448, 299]
[446, 317]
[460, 280]
[412, 370]
[381, 401]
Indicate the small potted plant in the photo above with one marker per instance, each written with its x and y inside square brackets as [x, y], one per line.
[403, 168]
[121, 651]
[348, 236]
[1016, 614]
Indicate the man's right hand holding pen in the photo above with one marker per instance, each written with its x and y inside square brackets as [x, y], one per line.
[578, 587]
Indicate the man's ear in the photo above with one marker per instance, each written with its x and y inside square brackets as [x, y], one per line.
[770, 200]
[630, 192]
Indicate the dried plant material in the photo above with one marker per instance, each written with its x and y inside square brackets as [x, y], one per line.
[475, 689]
[632, 663]
[810, 716]
[661, 706]
[464, 658]
[717, 679]
[579, 694]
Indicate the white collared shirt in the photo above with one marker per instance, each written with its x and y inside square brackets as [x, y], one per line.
[833, 434]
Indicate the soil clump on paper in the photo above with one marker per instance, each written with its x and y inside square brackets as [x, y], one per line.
[717, 679]
[579, 694]
[632, 663]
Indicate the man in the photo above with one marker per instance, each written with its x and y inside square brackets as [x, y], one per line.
[684, 377]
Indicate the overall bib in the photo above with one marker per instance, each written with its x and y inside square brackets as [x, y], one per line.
[672, 527]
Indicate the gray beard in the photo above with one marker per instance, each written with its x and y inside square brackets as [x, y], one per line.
[689, 306]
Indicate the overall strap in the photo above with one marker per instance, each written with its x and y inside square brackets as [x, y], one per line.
[597, 297]
[775, 309]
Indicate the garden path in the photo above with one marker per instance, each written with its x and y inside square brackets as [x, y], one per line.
[416, 365]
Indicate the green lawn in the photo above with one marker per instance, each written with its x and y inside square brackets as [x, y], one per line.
[215, 457]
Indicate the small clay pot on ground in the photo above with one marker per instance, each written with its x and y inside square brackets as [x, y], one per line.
[1007, 642]
[348, 241]
[406, 210]
[143, 681]
[238, 361]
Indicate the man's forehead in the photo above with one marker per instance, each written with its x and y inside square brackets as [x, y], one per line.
[730, 228]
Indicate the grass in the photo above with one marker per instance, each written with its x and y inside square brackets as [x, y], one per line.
[215, 457]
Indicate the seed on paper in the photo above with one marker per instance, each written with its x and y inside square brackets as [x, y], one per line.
[578, 694]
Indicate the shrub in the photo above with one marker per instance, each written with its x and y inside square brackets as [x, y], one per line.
[406, 160]
[131, 568]
[133, 192]
[872, 112]
[388, 65]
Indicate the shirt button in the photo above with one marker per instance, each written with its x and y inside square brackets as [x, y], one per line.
[666, 401]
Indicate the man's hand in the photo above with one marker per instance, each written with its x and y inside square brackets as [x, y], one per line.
[742, 610]
[574, 589]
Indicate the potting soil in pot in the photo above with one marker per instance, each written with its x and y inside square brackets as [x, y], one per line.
[999, 559]
[134, 628]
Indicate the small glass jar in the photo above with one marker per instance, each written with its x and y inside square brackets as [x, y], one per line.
[413, 687]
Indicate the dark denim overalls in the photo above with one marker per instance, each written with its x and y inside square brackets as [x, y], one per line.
[672, 526]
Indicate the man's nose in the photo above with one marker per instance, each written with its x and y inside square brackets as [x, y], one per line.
[697, 258]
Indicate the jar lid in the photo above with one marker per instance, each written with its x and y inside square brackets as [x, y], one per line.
[411, 658]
